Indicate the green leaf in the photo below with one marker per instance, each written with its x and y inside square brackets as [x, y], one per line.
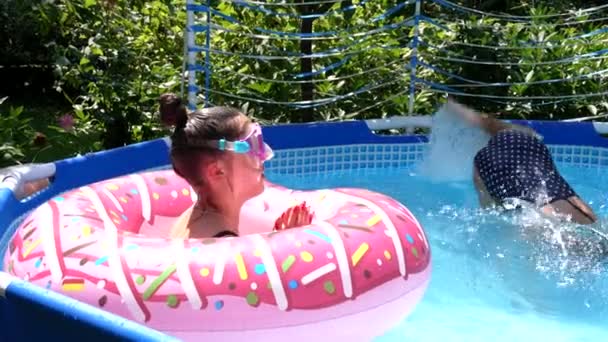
[95, 50]
[400, 100]
[15, 112]
[262, 87]
[89, 3]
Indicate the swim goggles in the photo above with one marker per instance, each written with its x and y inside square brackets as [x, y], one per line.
[252, 145]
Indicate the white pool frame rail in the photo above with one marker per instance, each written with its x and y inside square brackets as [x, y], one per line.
[426, 121]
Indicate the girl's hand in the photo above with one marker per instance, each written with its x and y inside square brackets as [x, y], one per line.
[296, 216]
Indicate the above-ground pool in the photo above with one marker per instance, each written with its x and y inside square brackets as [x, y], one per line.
[489, 282]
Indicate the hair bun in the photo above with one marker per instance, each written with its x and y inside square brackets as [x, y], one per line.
[172, 110]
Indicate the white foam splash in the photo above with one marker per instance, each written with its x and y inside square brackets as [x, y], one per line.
[452, 147]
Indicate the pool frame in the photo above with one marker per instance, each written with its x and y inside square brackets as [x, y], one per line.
[29, 312]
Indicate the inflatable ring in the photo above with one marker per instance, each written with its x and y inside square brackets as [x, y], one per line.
[356, 271]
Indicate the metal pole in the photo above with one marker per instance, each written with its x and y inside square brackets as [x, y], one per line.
[208, 55]
[414, 57]
[190, 42]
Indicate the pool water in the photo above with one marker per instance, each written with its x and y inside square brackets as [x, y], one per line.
[496, 277]
[490, 282]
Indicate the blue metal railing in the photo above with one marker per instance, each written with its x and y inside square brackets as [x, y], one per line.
[423, 54]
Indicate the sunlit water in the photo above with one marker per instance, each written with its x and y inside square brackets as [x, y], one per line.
[490, 281]
[496, 276]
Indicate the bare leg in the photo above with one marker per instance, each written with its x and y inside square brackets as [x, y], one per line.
[485, 199]
[578, 210]
[485, 122]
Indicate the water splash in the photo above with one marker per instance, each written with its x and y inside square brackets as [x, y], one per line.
[562, 248]
[452, 147]
[552, 268]
[549, 265]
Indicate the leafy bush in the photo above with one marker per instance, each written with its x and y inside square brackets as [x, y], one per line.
[25, 139]
[113, 58]
[539, 55]
[247, 80]
[105, 62]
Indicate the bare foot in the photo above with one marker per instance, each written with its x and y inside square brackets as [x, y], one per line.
[486, 122]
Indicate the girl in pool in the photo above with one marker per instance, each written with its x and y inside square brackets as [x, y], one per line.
[220, 152]
[515, 164]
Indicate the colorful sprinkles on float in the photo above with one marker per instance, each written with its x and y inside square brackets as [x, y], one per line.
[96, 244]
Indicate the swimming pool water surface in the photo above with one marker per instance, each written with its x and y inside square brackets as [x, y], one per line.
[489, 281]
[492, 279]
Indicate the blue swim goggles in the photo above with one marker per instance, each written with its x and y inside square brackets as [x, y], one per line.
[252, 145]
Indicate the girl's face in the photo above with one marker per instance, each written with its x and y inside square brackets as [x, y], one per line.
[247, 176]
[244, 168]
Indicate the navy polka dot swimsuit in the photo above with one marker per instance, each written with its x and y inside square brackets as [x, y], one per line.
[517, 165]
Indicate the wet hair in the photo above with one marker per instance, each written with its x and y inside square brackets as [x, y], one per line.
[194, 129]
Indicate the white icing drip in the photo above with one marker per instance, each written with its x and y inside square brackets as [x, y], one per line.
[341, 257]
[318, 273]
[48, 242]
[218, 269]
[185, 276]
[394, 234]
[272, 271]
[114, 261]
[112, 199]
[144, 194]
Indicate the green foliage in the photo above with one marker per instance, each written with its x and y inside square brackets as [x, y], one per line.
[105, 62]
[561, 41]
[22, 140]
[241, 80]
[15, 135]
[27, 138]
[112, 58]
[245, 80]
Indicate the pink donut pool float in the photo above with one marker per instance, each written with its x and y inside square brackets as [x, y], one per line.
[357, 271]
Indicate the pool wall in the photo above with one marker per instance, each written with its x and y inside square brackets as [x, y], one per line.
[28, 312]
